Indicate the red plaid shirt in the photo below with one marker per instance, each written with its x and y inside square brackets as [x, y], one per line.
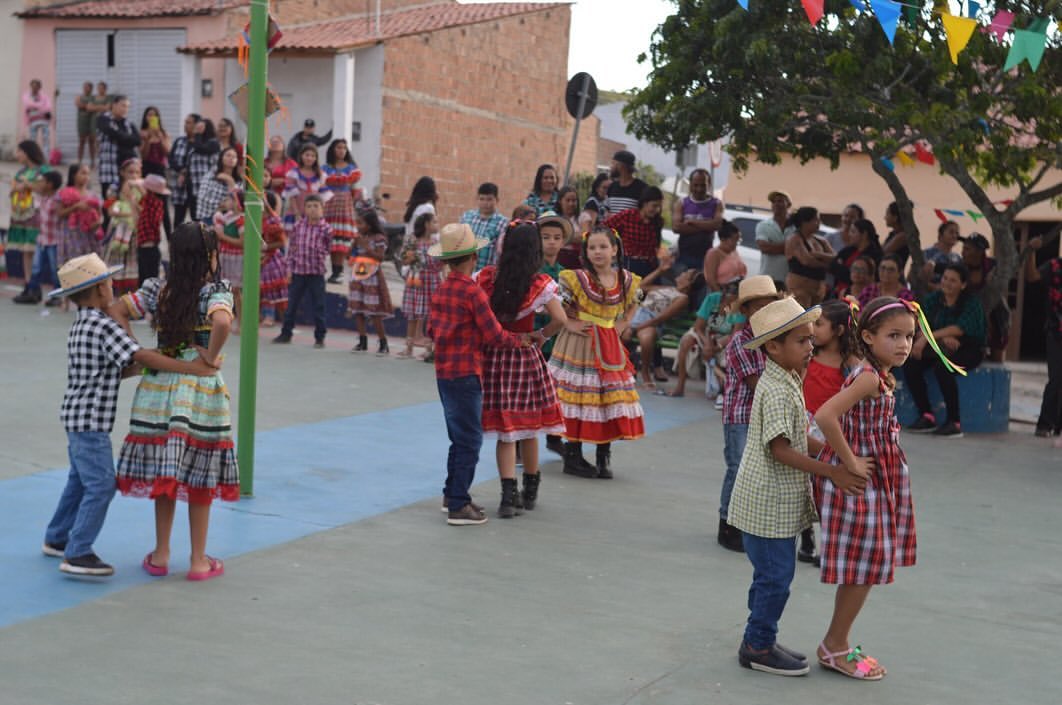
[740, 363]
[309, 246]
[461, 323]
[51, 224]
[640, 239]
[150, 220]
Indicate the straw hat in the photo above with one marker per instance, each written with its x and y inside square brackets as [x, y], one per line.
[760, 286]
[777, 317]
[156, 184]
[81, 273]
[551, 218]
[456, 240]
[773, 194]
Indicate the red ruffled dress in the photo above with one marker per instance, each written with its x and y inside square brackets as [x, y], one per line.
[519, 399]
[864, 538]
[339, 211]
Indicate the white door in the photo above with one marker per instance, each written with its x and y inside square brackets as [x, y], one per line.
[149, 72]
[80, 56]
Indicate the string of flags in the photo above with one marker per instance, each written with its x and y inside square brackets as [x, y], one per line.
[1028, 43]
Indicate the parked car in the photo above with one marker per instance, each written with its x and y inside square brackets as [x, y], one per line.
[747, 218]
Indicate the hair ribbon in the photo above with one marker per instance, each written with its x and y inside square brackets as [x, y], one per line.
[927, 331]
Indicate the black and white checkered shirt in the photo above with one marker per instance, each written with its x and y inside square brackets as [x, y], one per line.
[178, 163]
[202, 162]
[118, 139]
[97, 352]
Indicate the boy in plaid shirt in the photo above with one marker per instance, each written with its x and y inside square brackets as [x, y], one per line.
[311, 240]
[44, 264]
[461, 323]
[99, 354]
[771, 501]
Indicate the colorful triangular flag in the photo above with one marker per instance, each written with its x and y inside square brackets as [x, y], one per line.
[814, 10]
[905, 158]
[888, 14]
[940, 214]
[975, 215]
[1027, 46]
[888, 164]
[924, 155]
[972, 8]
[959, 31]
[1001, 23]
[911, 10]
[859, 5]
[744, 4]
[957, 214]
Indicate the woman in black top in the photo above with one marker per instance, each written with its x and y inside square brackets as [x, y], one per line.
[809, 256]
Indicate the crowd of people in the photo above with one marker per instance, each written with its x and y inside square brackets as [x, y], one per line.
[530, 322]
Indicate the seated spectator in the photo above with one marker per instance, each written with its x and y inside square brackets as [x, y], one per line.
[940, 253]
[865, 244]
[982, 269]
[722, 263]
[959, 327]
[862, 274]
[706, 341]
[661, 304]
[889, 283]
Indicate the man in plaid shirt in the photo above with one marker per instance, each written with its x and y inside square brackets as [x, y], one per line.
[743, 370]
[99, 352]
[179, 153]
[311, 239]
[462, 323]
[486, 223]
[118, 139]
[44, 264]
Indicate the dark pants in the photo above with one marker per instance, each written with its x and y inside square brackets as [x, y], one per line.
[167, 222]
[1051, 407]
[45, 268]
[462, 402]
[181, 211]
[301, 284]
[969, 355]
[147, 262]
[773, 566]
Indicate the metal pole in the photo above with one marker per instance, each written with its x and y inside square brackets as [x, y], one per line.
[575, 133]
[252, 245]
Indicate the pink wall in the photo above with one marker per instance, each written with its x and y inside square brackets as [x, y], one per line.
[38, 49]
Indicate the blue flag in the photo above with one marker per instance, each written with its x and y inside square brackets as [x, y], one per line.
[888, 14]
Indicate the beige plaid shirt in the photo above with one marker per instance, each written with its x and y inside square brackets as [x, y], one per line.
[772, 500]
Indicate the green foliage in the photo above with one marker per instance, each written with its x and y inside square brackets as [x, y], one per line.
[582, 181]
[649, 174]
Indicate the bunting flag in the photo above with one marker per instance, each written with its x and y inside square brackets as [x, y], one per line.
[888, 164]
[858, 5]
[905, 158]
[940, 214]
[957, 214]
[973, 8]
[1001, 23]
[959, 31]
[975, 215]
[911, 10]
[984, 125]
[744, 4]
[924, 155]
[814, 10]
[888, 14]
[1028, 46]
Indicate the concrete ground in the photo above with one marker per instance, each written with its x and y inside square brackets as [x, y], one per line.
[344, 584]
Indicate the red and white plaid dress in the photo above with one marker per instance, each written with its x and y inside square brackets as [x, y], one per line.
[519, 399]
[864, 538]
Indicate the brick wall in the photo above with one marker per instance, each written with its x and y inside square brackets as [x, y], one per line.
[585, 160]
[478, 103]
[301, 11]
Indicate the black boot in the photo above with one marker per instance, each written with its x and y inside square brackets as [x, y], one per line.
[806, 554]
[575, 463]
[729, 537]
[383, 350]
[555, 444]
[363, 344]
[507, 508]
[28, 296]
[337, 274]
[604, 461]
[531, 483]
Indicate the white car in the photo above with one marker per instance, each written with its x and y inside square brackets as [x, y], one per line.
[747, 218]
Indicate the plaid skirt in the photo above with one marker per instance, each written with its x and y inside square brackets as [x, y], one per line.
[339, 213]
[74, 242]
[519, 399]
[230, 260]
[595, 411]
[180, 440]
[370, 297]
[275, 280]
[121, 250]
[416, 299]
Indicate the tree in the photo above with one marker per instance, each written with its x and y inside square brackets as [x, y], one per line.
[777, 85]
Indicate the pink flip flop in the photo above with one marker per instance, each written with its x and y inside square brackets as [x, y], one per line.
[155, 571]
[864, 664]
[217, 568]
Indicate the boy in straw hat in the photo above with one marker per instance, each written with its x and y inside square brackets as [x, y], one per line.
[461, 323]
[771, 502]
[99, 353]
[743, 370]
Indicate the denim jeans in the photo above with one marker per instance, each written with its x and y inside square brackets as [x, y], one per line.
[88, 492]
[40, 131]
[735, 436]
[773, 566]
[45, 269]
[301, 284]
[462, 402]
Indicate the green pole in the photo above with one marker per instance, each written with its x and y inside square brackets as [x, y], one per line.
[252, 245]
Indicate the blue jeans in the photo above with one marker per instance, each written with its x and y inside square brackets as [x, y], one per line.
[735, 435]
[301, 284]
[45, 269]
[462, 402]
[773, 566]
[40, 131]
[88, 492]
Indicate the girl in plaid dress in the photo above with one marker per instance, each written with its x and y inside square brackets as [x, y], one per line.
[121, 233]
[423, 277]
[865, 537]
[300, 183]
[519, 399]
[341, 175]
[369, 297]
[275, 275]
[179, 445]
